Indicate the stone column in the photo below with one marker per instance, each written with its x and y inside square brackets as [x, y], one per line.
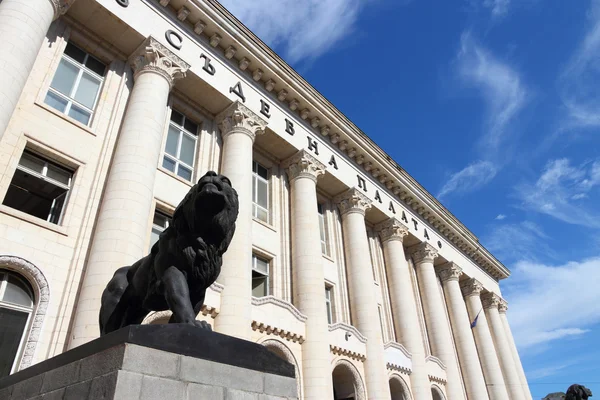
[239, 127]
[404, 306]
[438, 327]
[491, 301]
[122, 227]
[23, 26]
[483, 339]
[309, 278]
[463, 337]
[363, 301]
[503, 307]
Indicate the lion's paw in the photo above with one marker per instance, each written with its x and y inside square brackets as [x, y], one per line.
[203, 325]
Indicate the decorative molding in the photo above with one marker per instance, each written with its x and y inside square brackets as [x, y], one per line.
[273, 330]
[199, 27]
[294, 104]
[60, 7]
[398, 346]
[217, 287]
[391, 229]
[244, 63]
[282, 95]
[438, 380]
[259, 301]
[503, 307]
[340, 351]
[42, 297]
[270, 85]
[215, 39]
[257, 74]
[325, 130]
[471, 287]
[352, 201]
[359, 386]
[164, 3]
[407, 394]
[423, 252]
[450, 272]
[349, 328]
[436, 360]
[303, 165]
[491, 300]
[183, 13]
[239, 118]
[399, 368]
[315, 122]
[230, 52]
[152, 56]
[304, 113]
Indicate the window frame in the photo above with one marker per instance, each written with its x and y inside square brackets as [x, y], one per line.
[322, 211]
[44, 177]
[168, 218]
[267, 181]
[329, 304]
[70, 98]
[4, 274]
[266, 276]
[181, 131]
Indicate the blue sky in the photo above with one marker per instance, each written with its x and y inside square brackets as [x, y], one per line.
[493, 106]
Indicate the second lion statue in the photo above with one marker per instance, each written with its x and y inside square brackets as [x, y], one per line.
[182, 264]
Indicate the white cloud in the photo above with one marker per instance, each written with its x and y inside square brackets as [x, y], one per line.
[532, 241]
[549, 303]
[500, 217]
[578, 81]
[499, 8]
[470, 178]
[558, 186]
[500, 85]
[301, 29]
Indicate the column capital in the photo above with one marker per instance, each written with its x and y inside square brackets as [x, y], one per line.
[503, 306]
[490, 300]
[239, 118]
[303, 165]
[352, 201]
[471, 287]
[391, 229]
[60, 7]
[423, 252]
[153, 56]
[450, 272]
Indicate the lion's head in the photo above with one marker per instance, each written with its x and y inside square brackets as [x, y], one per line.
[209, 211]
[578, 392]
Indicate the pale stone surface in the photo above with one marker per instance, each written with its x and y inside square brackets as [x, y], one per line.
[513, 348]
[463, 337]
[435, 317]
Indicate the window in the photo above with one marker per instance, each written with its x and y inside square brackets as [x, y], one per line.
[260, 276]
[383, 335]
[260, 192]
[329, 304]
[323, 230]
[39, 188]
[180, 149]
[160, 223]
[16, 306]
[76, 84]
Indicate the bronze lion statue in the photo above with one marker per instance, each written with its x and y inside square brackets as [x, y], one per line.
[182, 264]
[578, 392]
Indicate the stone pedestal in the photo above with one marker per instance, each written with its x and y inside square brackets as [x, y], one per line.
[157, 362]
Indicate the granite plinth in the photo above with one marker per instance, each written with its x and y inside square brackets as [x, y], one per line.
[157, 362]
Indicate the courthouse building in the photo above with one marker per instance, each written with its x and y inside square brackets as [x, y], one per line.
[341, 263]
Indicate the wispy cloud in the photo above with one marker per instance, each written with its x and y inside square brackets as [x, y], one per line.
[499, 84]
[499, 8]
[500, 217]
[557, 302]
[578, 81]
[532, 241]
[302, 30]
[469, 178]
[562, 191]
[546, 371]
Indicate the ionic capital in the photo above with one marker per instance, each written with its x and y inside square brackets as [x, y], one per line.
[471, 287]
[450, 272]
[153, 57]
[303, 165]
[240, 119]
[423, 252]
[60, 7]
[391, 229]
[490, 300]
[503, 307]
[352, 201]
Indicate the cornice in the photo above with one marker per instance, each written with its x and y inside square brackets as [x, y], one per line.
[340, 325]
[398, 346]
[436, 360]
[259, 301]
[289, 87]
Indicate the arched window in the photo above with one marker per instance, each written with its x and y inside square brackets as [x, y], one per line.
[16, 308]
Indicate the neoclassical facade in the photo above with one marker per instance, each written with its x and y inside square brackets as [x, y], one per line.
[341, 263]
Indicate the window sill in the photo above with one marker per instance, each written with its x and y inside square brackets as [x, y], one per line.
[265, 224]
[328, 258]
[33, 220]
[172, 175]
[66, 118]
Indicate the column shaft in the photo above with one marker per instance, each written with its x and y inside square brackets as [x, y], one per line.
[309, 277]
[23, 26]
[239, 127]
[511, 377]
[363, 301]
[463, 337]
[404, 306]
[515, 352]
[485, 345]
[435, 318]
[121, 233]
